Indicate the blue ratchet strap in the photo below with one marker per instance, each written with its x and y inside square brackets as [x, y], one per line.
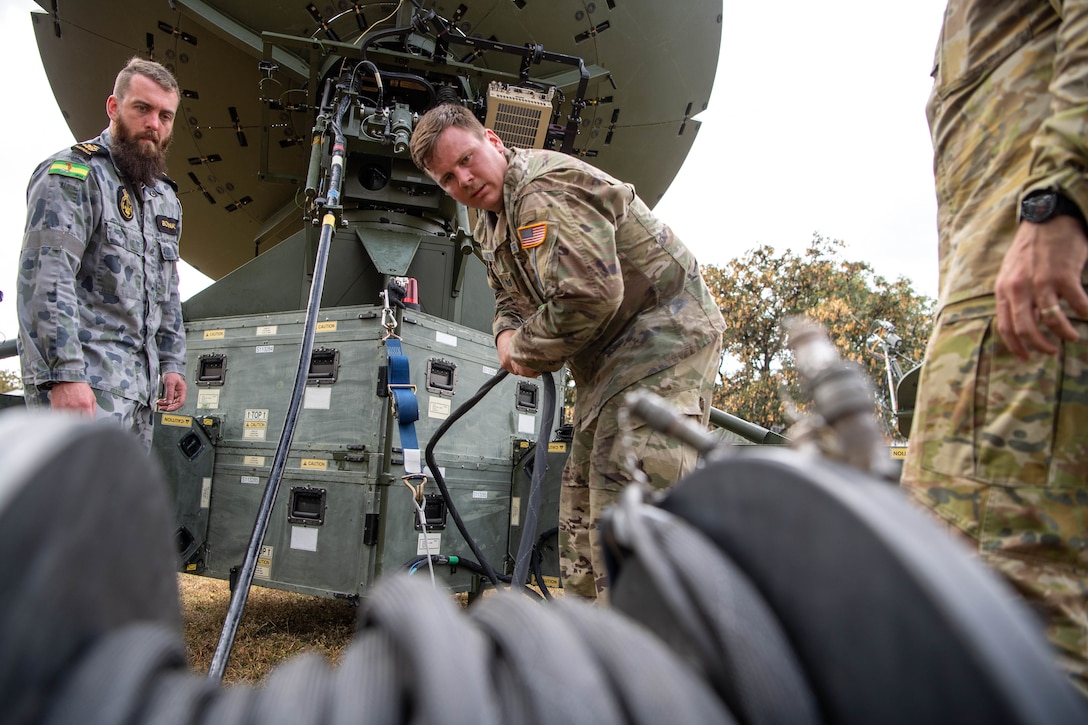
[405, 405]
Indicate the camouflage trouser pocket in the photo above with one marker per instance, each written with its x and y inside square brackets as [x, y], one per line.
[1002, 443]
[943, 432]
[661, 456]
[984, 415]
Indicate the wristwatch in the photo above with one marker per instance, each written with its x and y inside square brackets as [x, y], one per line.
[1043, 205]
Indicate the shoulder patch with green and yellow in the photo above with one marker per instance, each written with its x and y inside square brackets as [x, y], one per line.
[70, 169]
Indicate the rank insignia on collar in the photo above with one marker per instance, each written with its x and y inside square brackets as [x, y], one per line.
[87, 149]
[70, 169]
[124, 204]
[533, 235]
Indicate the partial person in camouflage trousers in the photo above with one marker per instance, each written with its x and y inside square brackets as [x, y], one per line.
[100, 325]
[999, 443]
[584, 275]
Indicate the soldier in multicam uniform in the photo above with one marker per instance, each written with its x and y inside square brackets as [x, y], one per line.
[584, 275]
[999, 444]
[99, 313]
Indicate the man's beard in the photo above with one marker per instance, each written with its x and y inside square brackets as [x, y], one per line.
[134, 158]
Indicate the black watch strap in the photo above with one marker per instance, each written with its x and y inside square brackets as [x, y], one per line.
[1041, 206]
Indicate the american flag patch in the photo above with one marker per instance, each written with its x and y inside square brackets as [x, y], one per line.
[533, 235]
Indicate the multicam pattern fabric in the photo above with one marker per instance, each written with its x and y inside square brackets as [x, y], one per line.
[999, 447]
[609, 289]
[589, 277]
[595, 472]
[98, 287]
[998, 131]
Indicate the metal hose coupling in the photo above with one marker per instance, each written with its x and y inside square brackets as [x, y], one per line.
[844, 413]
[657, 413]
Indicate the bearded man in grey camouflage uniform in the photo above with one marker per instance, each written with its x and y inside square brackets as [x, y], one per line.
[584, 275]
[999, 443]
[100, 323]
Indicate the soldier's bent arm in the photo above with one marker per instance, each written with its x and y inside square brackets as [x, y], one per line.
[579, 274]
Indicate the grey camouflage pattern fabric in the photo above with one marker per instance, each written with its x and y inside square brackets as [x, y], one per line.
[606, 288]
[97, 288]
[124, 413]
[999, 447]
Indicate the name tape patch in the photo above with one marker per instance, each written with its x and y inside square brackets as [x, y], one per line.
[167, 225]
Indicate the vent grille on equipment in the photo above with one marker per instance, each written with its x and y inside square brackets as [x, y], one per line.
[519, 116]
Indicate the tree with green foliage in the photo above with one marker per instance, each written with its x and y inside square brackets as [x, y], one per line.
[864, 314]
[10, 380]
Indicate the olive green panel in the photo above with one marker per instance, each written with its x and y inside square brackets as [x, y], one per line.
[184, 447]
[548, 513]
[313, 543]
[390, 252]
[452, 284]
[479, 489]
[241, 372]
[272, 282]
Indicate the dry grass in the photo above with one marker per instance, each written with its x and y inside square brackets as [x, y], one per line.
[275, 626]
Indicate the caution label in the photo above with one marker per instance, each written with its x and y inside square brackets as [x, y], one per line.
[255, 430]
[179, 421]
[255, 427]
[264, 564]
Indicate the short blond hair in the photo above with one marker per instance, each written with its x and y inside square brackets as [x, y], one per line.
[433, 123]
[144, 67]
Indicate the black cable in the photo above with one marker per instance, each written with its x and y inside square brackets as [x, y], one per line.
[413, 564]
[373, 39]
[695, 597]
[279, 462]
[540, 467]
[416, 657]
[432, 464]
[538, 561]
[521, 563]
